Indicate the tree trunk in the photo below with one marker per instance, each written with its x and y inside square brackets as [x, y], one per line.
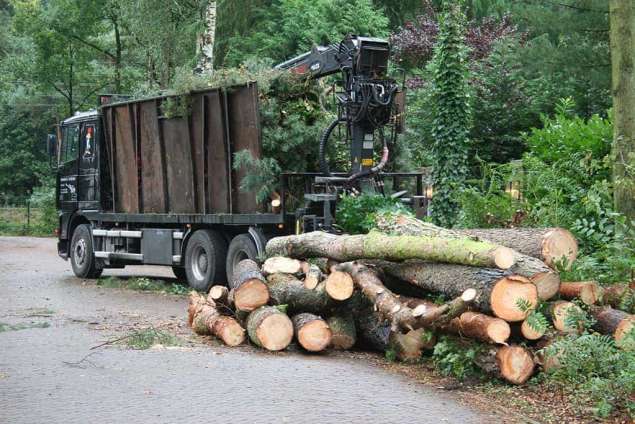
[379, 246]
[546, 280]
[390, 307]
[312, 332]
[498, 292]
[207, 40]
[287, 290]
[480, 327]
[207, 320]
[588, 292]
[619, 296]
[248, 285]
[409, 347]
[551, 245]
[622, 38]
[343, 329]
[614, 322]
[514, 364]
[279, 264]
[269, 328]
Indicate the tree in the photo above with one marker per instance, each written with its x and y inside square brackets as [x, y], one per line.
[451, 120]
[207, 40]
[622, 21]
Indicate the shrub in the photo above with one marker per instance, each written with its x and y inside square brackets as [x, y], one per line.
[356, 214]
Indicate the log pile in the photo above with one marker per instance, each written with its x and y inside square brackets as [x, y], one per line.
[340, 292]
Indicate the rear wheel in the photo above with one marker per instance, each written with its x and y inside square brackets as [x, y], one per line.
[205, 259]
[241, 247]
[82, 255]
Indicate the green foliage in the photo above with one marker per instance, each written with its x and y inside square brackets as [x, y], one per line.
[143, 284]
[262, 174]
[451, 118]
[594, 370]
[455, 359]
[356, 214]
[23, 326]
[149, 337]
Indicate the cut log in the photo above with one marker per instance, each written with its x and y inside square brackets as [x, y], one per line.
[343, 329]
[452, 280]
[480, 327]
[339, 285]
[552, 245]
[379, 246]
[546, 280]
[219, 294]
[613, 322]
[248, 284]
[588, 292]
[269, 328]
[285, 289]
[279, 264]
[390, 307]
[312, 276]
[514, 364]
[207, 319]
[530, 333]
[408, 347]
[619, 296]
[312, 332]
[560, 313]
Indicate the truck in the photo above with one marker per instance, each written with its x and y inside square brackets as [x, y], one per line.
[136, 185]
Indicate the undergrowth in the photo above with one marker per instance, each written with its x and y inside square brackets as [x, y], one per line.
[16, 327]
[143, 284]
[146, 338]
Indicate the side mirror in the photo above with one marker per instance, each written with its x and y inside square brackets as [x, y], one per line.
[51, 149]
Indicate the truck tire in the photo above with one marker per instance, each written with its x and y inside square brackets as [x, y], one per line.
[82, 254]
[179, 273]
[205, 259]
[241, 247]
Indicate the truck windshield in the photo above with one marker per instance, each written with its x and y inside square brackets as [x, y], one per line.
[70, 144]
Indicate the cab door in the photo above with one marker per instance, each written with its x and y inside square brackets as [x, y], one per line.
[68, 167]
[88, 175]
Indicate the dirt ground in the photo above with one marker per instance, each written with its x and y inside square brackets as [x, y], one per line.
[49, 373]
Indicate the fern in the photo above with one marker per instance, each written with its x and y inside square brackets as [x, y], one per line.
[538, 322]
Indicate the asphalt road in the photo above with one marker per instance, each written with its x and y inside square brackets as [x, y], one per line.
[49, 374]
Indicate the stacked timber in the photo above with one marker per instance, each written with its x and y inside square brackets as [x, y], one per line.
[338, 292]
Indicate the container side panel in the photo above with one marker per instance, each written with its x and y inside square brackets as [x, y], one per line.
[218, 163]
[125, 162]
[244, 134]
[197, 126]
[152, 178]
[178, 157]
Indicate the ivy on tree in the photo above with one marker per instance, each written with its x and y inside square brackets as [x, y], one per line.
[451, 116]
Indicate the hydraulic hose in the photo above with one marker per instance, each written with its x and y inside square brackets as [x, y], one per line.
[324, 140]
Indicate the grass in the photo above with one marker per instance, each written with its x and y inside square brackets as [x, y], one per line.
[143, 284]
[145, 339]
[13, 222]
[16, 327]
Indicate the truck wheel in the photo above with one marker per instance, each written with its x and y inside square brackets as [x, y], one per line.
[82, 255]
[205, 259]
[241, 247]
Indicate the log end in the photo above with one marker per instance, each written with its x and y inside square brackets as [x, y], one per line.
[315, 336]
[504, 257]
[218, 292]
[516, 364]
[275, 332]
[623, 329]
[469, 295]
[530, 332]
[251, 295]
[547, 284]
[508, 293]
[280, 264]
[498, 331]
[559, 246]
[559, 313]
[229, 331]
[339, 285]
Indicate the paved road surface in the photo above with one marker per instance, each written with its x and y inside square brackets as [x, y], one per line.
[44, 380]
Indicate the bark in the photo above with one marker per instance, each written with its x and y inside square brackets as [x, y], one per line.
[619, 296]
[452, 280]
[312, 332]
[279, 264]
[514, 364]
[588, 292]
[552, 245]
[343, 329]
[312, 276]
[614, 322]
[206, 319]
[480, 327]
[287, 290]
[270, 328]
[248, 286]
[207, 40]
[622, 40]
[526, 264]
[391, 308]
[378, 246]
